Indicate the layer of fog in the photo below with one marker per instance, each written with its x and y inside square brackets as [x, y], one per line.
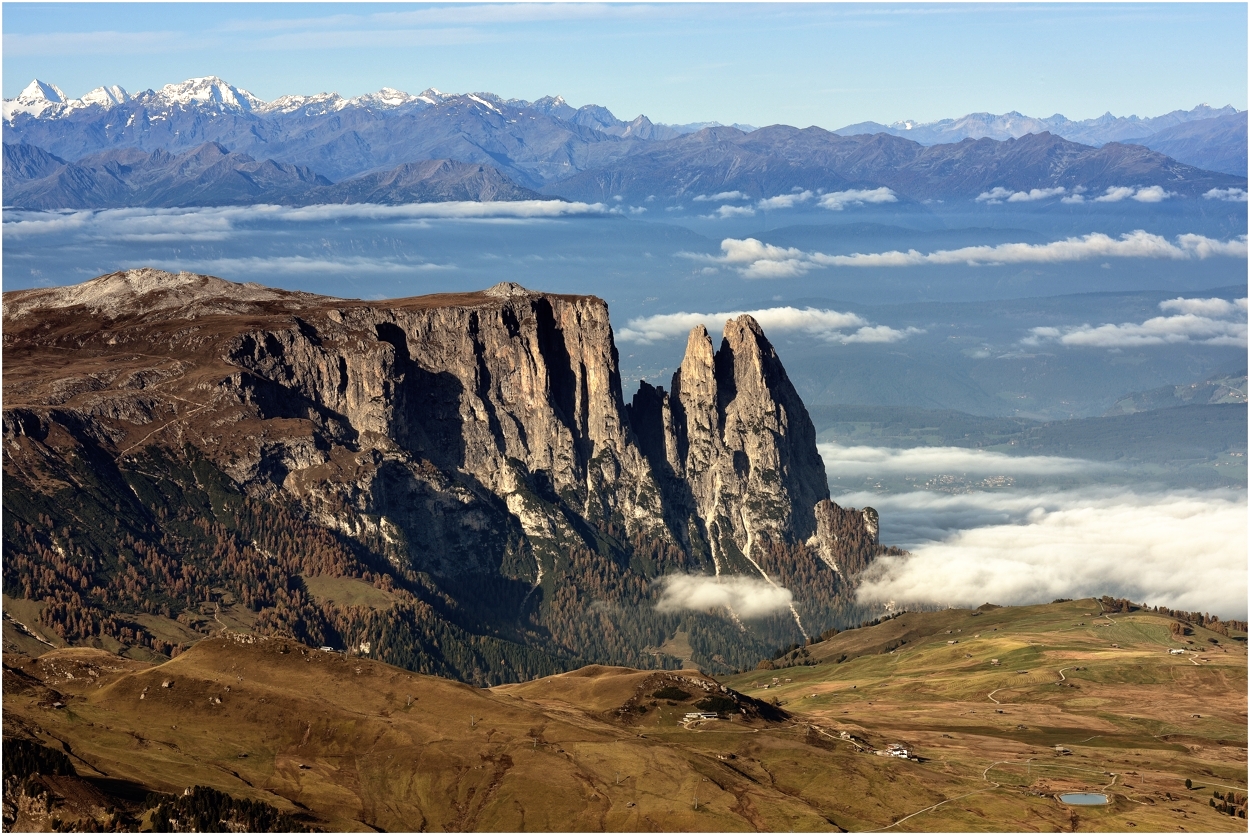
[1183, 549]
[215, 223]
[923, 461]
[1113, 194]
[834, 201]
[747, 597]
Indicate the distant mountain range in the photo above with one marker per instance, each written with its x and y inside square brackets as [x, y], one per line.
[211, 175]
[206, 142]
[1204, 137]
[533, 143]
[798, 164]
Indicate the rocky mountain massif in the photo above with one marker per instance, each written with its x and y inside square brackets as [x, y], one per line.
[450, 483]
[211, 175]
[1215, 138]
[205, 142]
[530, 142]
[782, 160]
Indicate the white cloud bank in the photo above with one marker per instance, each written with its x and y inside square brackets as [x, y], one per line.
[1114, 194]
[748, 597]
[922, 461]
[829, 325]
[1183, 550]
[998, 194]
[834, 201]
[1203, 321]
[838, 200]
[732, 211]
[785, 201]
[719, 197]
[1232, 195]
[215, 223]
[754, 259]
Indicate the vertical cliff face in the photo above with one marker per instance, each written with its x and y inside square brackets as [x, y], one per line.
[518, 395]
[735, 450]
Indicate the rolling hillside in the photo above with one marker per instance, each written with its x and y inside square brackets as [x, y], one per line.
[980, 700]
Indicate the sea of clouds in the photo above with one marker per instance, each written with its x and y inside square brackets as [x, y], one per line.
[1180, 548]
[1183, 549]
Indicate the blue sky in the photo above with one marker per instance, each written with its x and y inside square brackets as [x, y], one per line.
[799, 64]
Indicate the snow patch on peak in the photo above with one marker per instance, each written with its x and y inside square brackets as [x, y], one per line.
[433, 95]
[477, 98]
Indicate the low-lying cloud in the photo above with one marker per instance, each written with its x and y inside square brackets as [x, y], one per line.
[834, 200]
[1184, 550]
[1203, 321]
[732, 211]
[719, 197]
[830, 325]
[838, 200]
[921, 461]
[998, 194]
[1115, 194]
[755, 259]
[747, 597]
[1231, 195]
[785, 201]
[215, 223]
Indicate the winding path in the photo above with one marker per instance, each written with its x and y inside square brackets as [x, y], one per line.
[931, 808]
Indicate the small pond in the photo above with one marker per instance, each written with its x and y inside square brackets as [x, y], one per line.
[1084, 799]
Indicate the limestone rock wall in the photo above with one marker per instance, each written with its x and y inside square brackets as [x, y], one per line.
[735, 448]
[467, 430]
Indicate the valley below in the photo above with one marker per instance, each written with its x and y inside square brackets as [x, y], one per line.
[959, 720]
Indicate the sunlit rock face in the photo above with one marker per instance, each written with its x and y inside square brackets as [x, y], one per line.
[474, 438]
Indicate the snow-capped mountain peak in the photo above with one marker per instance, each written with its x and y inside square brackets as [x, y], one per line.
[35, 99]
[42, 91]
[104, 96]
[387, 97]
[314, 105]
[433, 95]
[209, 90]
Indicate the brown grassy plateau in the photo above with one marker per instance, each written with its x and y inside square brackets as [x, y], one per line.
[351, 744]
